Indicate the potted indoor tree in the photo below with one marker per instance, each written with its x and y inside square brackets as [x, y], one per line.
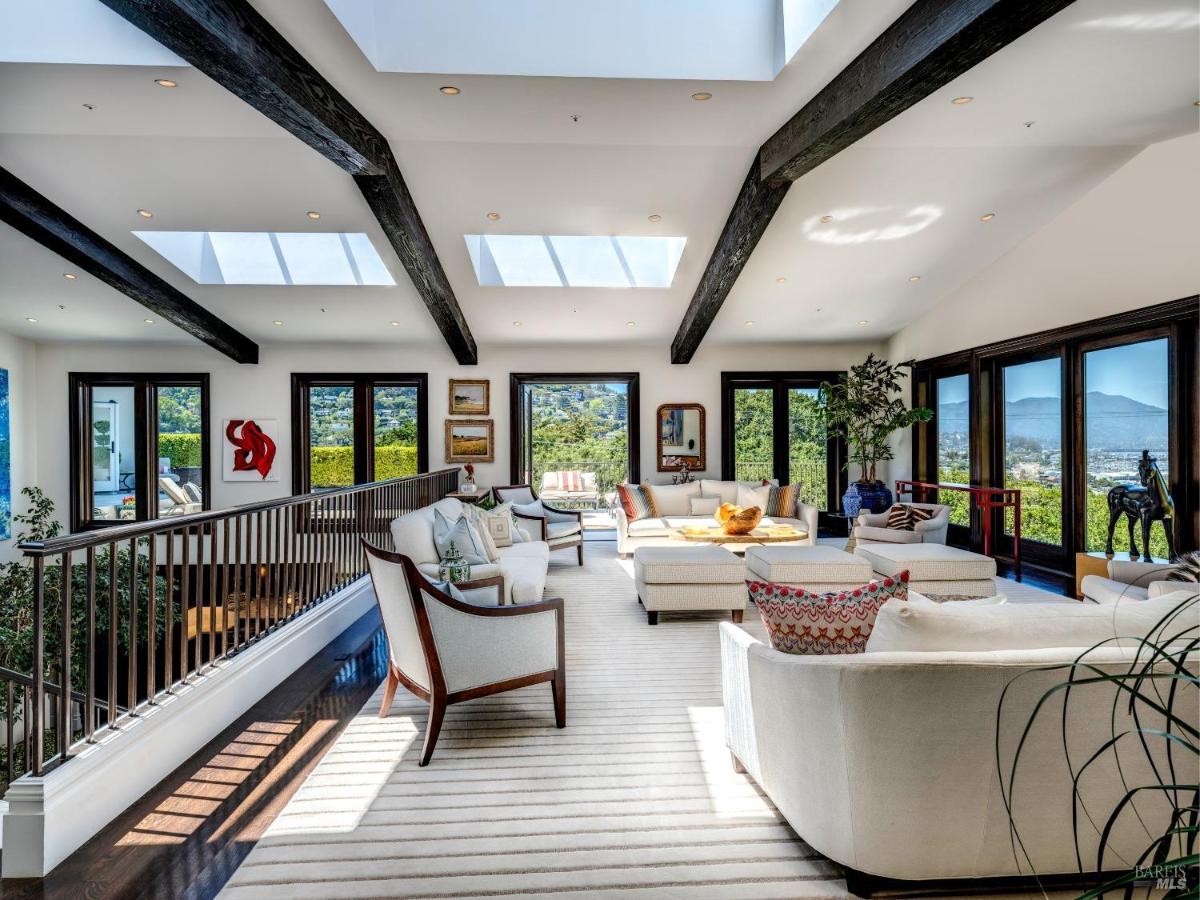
[864, 406]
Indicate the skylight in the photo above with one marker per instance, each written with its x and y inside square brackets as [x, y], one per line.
[76, 31]
[538, 260]
[270, 257]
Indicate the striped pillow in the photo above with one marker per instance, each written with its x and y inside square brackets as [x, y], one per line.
[900, 518]
[781, 502]
[637, 501]
[571, 480]
[920, 514]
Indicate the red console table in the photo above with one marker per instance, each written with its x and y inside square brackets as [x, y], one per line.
[985, 499]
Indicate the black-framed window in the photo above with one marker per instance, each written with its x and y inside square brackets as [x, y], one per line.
[354, 428]
[584, 421]
[771, 427]
[1064, 415]
[139, 446]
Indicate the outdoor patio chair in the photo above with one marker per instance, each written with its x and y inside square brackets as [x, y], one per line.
[560, 528]
[571, 486]
[182, 502]
[446, 651]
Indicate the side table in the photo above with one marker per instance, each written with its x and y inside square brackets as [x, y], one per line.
[467, 496]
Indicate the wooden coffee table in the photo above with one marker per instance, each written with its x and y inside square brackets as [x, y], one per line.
[757, 536]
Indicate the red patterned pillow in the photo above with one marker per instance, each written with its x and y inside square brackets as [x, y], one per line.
[799, 621]
[637, 501]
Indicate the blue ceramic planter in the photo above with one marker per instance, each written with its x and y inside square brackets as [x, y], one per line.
[875, 496]
[852, 502]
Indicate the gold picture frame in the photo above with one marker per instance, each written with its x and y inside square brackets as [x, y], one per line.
[681, 437]
[470, 397]
[470, 441]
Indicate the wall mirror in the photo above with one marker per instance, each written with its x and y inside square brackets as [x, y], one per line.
[681, 437]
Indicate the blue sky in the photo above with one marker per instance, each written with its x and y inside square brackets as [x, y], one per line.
[1134, 370]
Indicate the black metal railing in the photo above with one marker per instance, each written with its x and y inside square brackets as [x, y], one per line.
[121, 615]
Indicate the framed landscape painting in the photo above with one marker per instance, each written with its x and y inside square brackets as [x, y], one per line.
[469, 398]
[469, 441]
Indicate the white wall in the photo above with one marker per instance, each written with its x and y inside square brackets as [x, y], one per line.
[18, 356]
[1130, 242]
[264, 391]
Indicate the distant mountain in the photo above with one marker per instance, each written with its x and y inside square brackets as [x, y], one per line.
[1114, 421]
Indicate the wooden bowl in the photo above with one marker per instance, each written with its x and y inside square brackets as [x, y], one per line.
[725, 512]
[743, 521]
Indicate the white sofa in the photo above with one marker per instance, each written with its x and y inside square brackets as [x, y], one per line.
[887, 762]
[675, 511]
[523, 565]
[1129, 580]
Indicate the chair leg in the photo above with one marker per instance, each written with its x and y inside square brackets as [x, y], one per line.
[579, 551]
[389, 691]
[559, 686]
[437, 711]
[652, 617]
[737, 616]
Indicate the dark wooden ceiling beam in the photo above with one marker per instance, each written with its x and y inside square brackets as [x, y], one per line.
[230, 42]
[932, 43]
[53, 227]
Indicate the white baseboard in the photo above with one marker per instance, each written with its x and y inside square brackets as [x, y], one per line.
[50, 817]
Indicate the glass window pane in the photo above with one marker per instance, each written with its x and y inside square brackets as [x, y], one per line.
[180, 476]
[753, 434]
[1033, 447]
[807, 449]
[330, 436]
[1126, 410]
[578, 427]
[953, 444]
[114, 461]
[395, 432]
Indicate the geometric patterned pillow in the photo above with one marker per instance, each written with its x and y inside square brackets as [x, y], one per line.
[637, 501]
[781, 502]
[799, 621]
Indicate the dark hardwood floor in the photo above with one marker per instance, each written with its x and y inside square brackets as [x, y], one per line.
[185, 838]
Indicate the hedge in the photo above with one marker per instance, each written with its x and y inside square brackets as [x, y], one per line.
[181, 449]
[334, 466]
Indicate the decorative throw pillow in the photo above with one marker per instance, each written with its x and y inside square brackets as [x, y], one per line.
[900, 518]
[462, 534]
[705, 506]
[484, 596]
[799, 621]
[637, 501]
[496, 523]
[781, 501]
[748, 496]
[921, 514]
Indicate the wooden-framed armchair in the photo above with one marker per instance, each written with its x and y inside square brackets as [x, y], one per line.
[560, 528]
[445, 651]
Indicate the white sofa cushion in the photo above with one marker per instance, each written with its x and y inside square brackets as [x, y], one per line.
[802, 565]
[705, 507]
[524, 570]
[1024, 626]
[727, 491]
[929, 562]
[674, 499]
[412, 533]
[753, 495]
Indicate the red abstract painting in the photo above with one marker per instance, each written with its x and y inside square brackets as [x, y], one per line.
[255, 450]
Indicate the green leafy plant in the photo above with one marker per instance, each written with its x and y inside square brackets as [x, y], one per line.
[1155, 694]
[864, 406]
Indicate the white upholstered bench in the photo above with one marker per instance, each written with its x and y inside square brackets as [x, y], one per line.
[935, 570]
[817, 569]
[689, 578]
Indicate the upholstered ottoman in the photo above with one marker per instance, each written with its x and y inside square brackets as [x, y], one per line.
[935, 570]
[818, 569]
[704, 577]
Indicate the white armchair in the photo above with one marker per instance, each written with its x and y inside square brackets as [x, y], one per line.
[871, 528]
[1130, 580]
[561, 529]
[446, 651]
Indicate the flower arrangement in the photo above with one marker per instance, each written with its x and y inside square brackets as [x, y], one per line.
[129, 501]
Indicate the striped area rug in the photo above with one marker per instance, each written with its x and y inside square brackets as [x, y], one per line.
[635, 798]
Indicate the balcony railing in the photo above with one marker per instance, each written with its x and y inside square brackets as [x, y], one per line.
[121, 616]
[810, 474]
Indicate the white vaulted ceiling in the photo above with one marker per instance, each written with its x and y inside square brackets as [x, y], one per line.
[592, 156]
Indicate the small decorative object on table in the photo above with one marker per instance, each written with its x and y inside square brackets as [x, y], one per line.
[1146, 504]
[851, 502]
[735, 520]
[469, 486]
[452, 567]
[683, 476]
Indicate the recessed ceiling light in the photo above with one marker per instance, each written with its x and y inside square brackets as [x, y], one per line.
[165, 82]
[656, 218]
[148, 321]
[395, 324]
[277, 322]
[631, 324]
[70, 276]
[313, 214]
[702, 96]
[962, 101]
[825, 220]
[30, 319]
[493, 217]
[145, 213]
[987, 217]
[749, 321]
[862, 321]
[450, 90]
[780, 280]
[914, 278]
[517, 324]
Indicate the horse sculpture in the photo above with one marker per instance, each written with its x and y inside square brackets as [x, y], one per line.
[1147, 503]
